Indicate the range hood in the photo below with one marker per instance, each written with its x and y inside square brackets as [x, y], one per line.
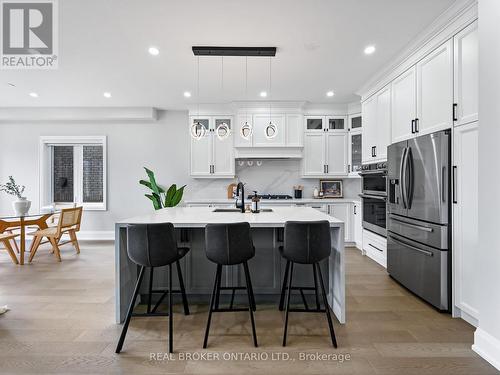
[268, 152]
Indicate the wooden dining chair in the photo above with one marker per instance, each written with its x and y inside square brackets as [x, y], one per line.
[5, 239]
[69, 223]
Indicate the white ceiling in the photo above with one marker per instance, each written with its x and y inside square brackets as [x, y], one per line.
[104, 43]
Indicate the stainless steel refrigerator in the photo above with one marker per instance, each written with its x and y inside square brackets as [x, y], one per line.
[419, 218]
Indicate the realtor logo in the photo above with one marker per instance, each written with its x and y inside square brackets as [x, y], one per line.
[29, 38]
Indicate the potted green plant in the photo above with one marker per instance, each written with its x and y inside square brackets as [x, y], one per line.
[21, 205]
[160, 197]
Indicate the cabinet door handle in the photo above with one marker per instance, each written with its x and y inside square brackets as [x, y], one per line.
[455, 112]
[355, 210]
[416, 126]
[213, 168]
[376, 248]
[348, 168]
[455, 184]
[412, 126]
[327, 168]
[374, 151]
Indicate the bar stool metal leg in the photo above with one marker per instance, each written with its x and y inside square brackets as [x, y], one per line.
[316, 293]
[252, 297]
[251, 302]
[129, 312]
[183, 289]
[327, 307]
[212, 302]
[170, 312]
[287, 306]
[150, 288]
[217, 294]
[283, 288]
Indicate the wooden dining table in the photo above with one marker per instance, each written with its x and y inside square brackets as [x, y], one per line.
[21, 222]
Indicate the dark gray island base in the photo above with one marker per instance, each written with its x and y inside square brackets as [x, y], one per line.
[266, 268]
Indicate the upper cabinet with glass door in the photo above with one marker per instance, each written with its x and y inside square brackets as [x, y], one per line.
[315, 124]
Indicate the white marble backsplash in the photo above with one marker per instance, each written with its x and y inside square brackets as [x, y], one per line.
[276, 176]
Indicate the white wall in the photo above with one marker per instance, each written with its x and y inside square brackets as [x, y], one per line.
[487, 336]
[162, 146]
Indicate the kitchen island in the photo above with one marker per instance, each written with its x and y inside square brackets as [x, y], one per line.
[266, 268]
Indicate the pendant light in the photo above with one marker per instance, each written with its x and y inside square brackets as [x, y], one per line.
[247, 129]
[197, 130]
[223, 130]
[271, 130]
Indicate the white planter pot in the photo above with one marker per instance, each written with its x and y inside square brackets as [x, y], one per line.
[21, 206]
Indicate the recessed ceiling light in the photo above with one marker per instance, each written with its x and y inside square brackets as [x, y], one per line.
[263, 94]
[369, 50]
[33, 94]
[107, 95]
[187, 94]
[330, 93]
[154, 51]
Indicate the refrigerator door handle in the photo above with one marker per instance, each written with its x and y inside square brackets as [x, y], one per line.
[409, 167]
[425, 229]
[426, 252]
[402, 177]
[443, 184]
[455, 184]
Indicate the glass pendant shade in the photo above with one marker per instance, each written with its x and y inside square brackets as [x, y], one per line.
[246, 131]
[223, 131]
[271, 130]
[197, 130]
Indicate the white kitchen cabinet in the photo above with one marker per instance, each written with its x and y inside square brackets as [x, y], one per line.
[212, 157]
[404, 105]
[343, 211]
[314, 124]
[355, 144]
[314, 154]
[465, 221]
[336, 154]
[383, 130]
[369, 110]
[357, 225]
[435, 90]
[294, 130]
[377, 126]
[375, 247]
[466, 72]
[260, 123]
[325, 154]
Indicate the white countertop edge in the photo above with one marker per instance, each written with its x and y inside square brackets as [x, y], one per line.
[277, 201]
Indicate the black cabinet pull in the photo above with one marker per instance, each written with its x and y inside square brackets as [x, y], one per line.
[327, 169]
[412, 126]
[455, 112]
[355, 210]
[416, 126]
[374, 151]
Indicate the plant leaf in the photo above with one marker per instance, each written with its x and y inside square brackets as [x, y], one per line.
[177, 196]
[169, 195]
[145, 183]
[152, 180]
[155, 199]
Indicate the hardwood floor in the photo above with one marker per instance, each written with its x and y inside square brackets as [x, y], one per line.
[62, 321]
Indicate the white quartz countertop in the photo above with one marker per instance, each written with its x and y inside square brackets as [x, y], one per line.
[274, 201]
[198, 217]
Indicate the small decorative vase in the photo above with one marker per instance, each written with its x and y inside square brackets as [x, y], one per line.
[21, 206]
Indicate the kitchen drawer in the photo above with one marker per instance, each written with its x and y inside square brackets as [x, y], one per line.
[375, 247]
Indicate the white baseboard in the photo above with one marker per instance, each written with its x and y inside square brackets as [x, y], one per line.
[96, 235]
[487, 346]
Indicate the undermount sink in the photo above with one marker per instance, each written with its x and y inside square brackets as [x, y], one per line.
[238, 210]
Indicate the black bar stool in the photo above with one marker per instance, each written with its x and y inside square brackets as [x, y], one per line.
[306, 242]
[229, 244]
[149, 246]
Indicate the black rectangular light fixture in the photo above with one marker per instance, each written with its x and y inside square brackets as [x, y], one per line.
[234, 51]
